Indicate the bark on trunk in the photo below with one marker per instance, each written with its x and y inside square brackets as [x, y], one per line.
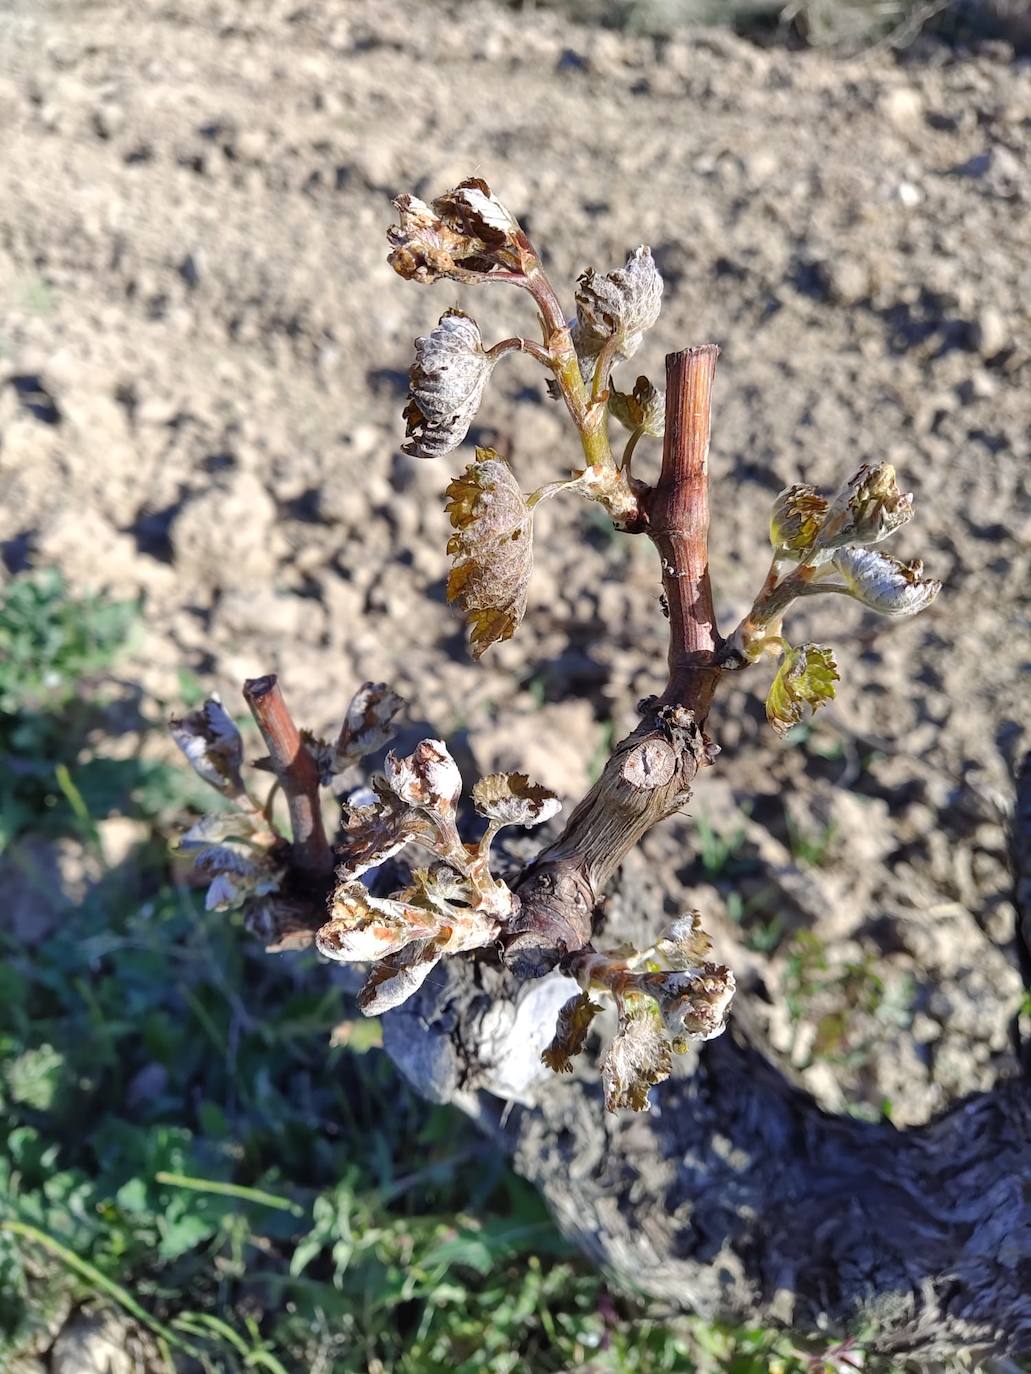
[737, 1197]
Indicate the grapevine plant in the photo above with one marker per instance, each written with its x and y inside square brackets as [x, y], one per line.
[299, 889]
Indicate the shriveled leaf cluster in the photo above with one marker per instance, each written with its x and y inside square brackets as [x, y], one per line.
[452, 906]
[660, 1010]
[238, 852]
[465, 234]
[829, 541]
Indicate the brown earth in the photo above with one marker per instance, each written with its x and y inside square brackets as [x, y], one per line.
[203, 357]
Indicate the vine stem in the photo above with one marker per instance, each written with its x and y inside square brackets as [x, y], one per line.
[678, 519]
[295, 771]
[649, 774]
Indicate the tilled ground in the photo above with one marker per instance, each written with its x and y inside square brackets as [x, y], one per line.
[203, 358]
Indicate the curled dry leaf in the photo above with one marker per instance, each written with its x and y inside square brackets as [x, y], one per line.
[684, 944]
[623, 303]
[511, 799]
[445, 385]
[368, 723]
[639, 1057]
[866, 510]
[375, 831]
[363, 928]
[465, 234]
[395, 979]
[883, 583]
[574, 1021]
[492, 550]
[804, 681]
[694, 1002]
[427, 777]
[212, 745]
[796, 518]
[642, 409]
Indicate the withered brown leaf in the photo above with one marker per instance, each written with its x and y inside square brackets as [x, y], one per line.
[492, 549]
[639, 1057]
[512, 799]
[574, 1021]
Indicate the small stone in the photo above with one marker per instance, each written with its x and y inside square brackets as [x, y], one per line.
[989, 334]
[848, 281]
[903, 107]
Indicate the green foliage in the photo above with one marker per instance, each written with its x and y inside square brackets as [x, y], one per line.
[56, 655]
[50, 641]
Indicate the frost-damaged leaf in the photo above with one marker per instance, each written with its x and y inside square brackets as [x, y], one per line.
[866, 510]
[427, 777]
[445, 386]
[466, 234]
[363, 928]
[375, 831]
[883, 583]
[796, 519]
[492, 550]
[623, 303]
[644, 408]
[395, 979]
[684, 944]
[511, 799]
[368, 723]
[217, 826]
[804, 681]
[639, 1057]
[574, 1021]
[212, 745]
[694, 1002]
[442, 887]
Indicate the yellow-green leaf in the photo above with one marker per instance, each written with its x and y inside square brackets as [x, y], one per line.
[796, 519]
[804, 681]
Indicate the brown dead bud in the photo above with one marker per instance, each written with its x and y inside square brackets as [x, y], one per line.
[465, 234]
[694, 1002]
